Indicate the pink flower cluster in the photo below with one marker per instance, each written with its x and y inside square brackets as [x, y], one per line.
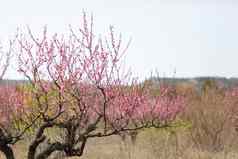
[11, 104]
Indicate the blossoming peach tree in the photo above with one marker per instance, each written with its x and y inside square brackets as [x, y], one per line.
[79, 88]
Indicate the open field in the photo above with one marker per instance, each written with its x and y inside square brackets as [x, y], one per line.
[152, 144]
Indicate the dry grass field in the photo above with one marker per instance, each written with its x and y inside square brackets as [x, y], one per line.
[151, 144]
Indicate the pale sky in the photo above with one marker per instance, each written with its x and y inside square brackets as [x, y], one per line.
[193, 37]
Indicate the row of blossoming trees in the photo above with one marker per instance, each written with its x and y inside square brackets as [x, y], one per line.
[76, 85]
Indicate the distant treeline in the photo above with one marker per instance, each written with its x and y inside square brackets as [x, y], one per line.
[197, 81]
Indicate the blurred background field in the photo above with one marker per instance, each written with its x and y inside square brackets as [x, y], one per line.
[207, 129]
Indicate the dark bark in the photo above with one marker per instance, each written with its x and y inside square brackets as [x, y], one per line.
[71, 151]
[52, 147]
[7, 151]
[5, 140]
[39, 138]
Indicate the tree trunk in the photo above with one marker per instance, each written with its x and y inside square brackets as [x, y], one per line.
[7, 151]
